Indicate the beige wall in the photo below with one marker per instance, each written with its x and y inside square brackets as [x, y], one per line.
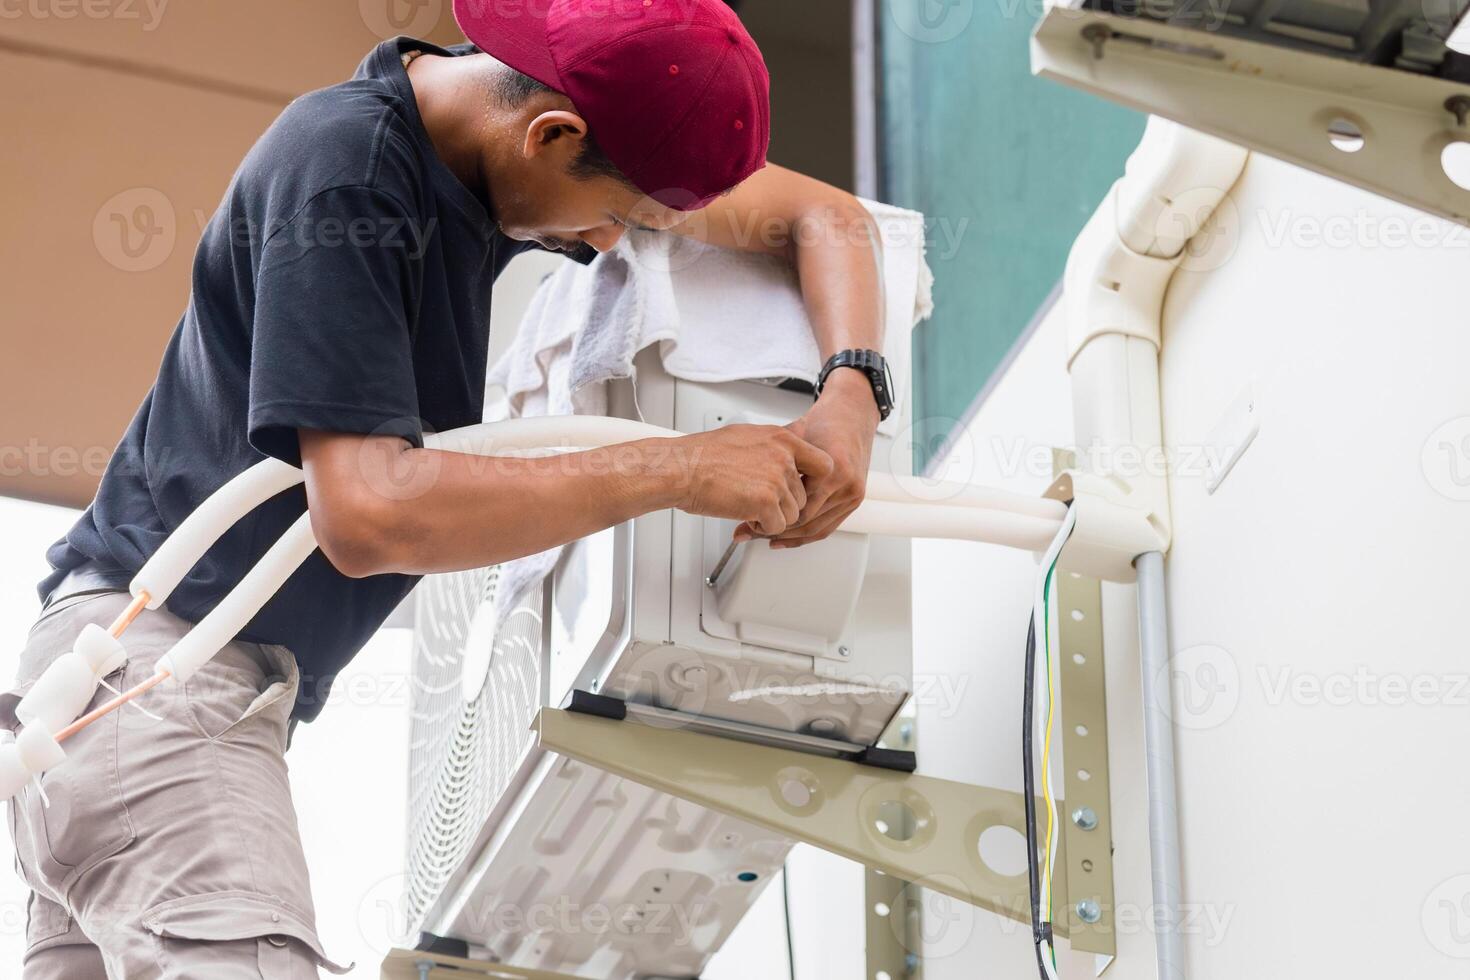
[124, 120]
[132, 115]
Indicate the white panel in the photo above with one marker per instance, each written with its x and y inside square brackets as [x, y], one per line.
[1321, 583]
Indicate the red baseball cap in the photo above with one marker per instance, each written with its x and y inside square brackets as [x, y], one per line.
[675, 91]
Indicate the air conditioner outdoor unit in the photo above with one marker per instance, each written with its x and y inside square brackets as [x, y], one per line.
[538, 861]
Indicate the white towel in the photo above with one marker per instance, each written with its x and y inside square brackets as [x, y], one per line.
[717, 315]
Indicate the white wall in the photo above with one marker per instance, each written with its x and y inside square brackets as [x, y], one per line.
[1319, 594]
[1317, 602]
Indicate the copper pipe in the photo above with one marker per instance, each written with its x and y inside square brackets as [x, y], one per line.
[112, 705]
[126, 617]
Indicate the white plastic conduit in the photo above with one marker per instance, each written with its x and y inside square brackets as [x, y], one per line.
[1117, 275]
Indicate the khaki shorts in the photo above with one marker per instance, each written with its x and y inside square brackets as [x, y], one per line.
[169, 848]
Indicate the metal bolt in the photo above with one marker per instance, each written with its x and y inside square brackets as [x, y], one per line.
[1088, 911]
[425, 967]
[844, 652]
[1097, 35]
[1085, 818]
[1459, 105]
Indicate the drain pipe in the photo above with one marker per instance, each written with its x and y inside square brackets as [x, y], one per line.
[1117, 274]
[1158, 745]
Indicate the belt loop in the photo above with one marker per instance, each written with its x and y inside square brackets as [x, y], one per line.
[275, 956]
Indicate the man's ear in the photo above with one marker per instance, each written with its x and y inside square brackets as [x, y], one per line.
[553, 128]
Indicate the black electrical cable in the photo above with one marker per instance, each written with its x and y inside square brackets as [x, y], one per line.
[786, 905]
[1040, 933]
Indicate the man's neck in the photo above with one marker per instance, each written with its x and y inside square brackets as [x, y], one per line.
[458, 114]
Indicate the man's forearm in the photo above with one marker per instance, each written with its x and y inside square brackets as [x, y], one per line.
[838, 258]
[428, 511]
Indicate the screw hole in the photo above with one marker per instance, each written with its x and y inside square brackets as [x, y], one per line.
[796, 793]
[1455, 159]
[1003, 850]
[1345, 135]
[896, 820]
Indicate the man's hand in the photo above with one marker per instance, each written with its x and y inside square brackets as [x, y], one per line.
[836, 248]
[748, 473]
[842, 423]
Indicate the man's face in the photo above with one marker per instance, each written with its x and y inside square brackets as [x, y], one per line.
[562, 211]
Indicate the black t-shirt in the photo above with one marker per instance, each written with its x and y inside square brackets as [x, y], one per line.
[343, 285]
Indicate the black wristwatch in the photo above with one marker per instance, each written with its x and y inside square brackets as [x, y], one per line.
[872, 364]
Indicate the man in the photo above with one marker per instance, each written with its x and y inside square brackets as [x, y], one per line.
[339, 310]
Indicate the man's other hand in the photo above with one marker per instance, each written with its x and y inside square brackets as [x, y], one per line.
[842, 423]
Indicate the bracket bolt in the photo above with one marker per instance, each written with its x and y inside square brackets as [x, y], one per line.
[425, 967]
[1085, 818]
[1088, 911]
[844, 652]
[1459, 106]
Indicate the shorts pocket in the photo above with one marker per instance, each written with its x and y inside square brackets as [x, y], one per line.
[186, 926]
[236, 685]
[81, 820]
[45, 920]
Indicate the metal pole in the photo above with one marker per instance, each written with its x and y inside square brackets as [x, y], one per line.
[1158, 739]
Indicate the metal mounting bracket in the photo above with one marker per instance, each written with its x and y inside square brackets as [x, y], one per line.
[916, 828]
[409, 964]
[894, 913]
[1088, 818]
[1280, 101]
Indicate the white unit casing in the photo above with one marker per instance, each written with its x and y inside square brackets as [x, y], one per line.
[542, 862]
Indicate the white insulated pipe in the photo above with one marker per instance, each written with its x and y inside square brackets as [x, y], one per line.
[224, 621]
[906, 508]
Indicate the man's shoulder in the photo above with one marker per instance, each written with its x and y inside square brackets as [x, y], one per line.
[353, 134]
